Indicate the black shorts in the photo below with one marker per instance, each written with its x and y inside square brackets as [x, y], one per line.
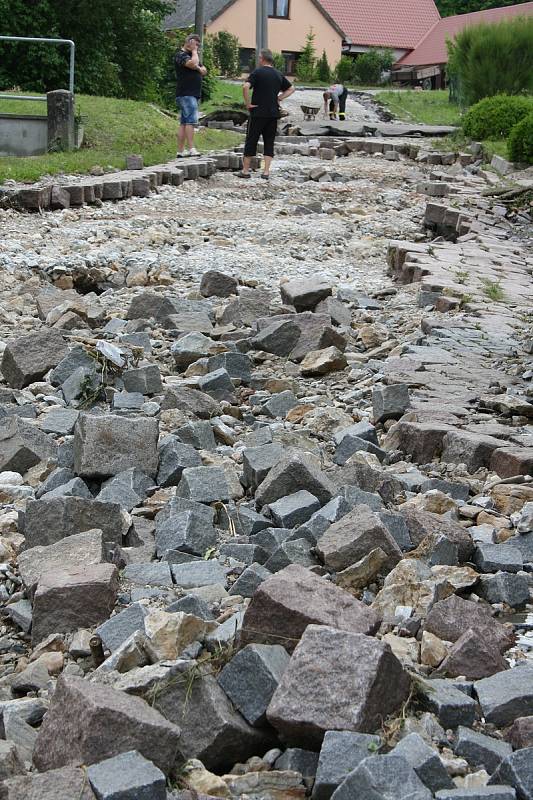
[267, 127]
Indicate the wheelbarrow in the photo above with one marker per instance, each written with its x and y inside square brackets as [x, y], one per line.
[309, 112]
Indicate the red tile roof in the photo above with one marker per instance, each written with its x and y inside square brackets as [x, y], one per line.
[398, 24]
[432, 49]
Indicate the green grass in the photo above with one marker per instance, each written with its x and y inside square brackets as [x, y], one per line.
[225, 96]
[430, 108]
[113, 129]
[458, 142]
[493, 290]
[495, 148]
[434, 108]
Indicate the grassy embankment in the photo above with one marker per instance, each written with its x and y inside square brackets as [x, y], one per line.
[434, 108]
[113, 129]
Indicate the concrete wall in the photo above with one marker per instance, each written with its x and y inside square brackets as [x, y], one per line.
[23, 135]
[283, 34]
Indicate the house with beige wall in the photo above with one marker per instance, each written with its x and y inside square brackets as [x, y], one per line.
[289, 22]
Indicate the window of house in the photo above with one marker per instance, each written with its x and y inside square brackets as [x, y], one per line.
[279, 9]
[290, 62]
[247, 59]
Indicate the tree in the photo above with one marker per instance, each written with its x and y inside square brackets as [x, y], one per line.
[226, 51]
[345, 70]
[371, 65]
[305, 66]
[210, 80]
[448, 8]
[485, 60]
[18, 61]
[323, 71]
[279, 62]
[121, 49]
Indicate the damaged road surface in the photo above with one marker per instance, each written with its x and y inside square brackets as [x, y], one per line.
[266, 475]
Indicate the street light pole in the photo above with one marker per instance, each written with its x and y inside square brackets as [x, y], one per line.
[199, 19]
[258, 29]
[264, 29]
[261, 27]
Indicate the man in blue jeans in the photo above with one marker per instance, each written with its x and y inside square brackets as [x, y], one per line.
[189, 74]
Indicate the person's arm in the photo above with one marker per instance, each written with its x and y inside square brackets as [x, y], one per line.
[286, 93]
[246, 93]
[286, 89]
[194, 61]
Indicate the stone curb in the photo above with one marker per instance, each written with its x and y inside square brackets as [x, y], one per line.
[120, 185]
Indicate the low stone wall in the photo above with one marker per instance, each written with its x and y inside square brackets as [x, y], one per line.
[23, 134]
[35, 135]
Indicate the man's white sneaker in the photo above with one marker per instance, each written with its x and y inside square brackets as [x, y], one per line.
[193, 152]
[183, 154]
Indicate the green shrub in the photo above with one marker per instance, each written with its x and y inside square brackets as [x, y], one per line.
[485, 60]
[323, 71]
[370, 66]
[226, 51]
[210, 81]
[345, 70]
[494, 117]
[279, 62]
[306, 64]
[520, 143]
[121, 48]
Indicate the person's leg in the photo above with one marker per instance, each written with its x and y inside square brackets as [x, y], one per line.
[270, 130]
[332, 109]
[192, 119]
[342, 104]
[181, 138]
[189, 134]
[250, 146]
[181, 129]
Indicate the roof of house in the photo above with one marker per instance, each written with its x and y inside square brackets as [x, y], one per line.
[432, 48]
[183, 15]
[399, 24]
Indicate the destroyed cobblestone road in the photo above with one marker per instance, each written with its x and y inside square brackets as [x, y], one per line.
[266, 483]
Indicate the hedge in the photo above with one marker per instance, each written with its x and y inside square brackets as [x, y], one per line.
[520, 143]
[495, 117]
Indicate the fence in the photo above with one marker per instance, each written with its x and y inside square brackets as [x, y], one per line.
[32, 134]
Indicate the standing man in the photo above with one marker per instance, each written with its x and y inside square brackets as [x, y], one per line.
[336, 96]
[189, 74]
[270, 87]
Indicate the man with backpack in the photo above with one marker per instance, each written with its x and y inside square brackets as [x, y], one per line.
[189, 74]
[269, 87]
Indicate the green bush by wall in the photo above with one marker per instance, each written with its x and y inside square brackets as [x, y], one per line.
[494, 117]
[520, 143]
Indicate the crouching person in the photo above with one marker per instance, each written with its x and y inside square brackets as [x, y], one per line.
[336, 97]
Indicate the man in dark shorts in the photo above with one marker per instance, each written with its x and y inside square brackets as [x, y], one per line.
[189, 74]
[270, 87]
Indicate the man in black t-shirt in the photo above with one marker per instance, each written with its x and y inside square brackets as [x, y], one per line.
[269, 87]
[189, 74]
